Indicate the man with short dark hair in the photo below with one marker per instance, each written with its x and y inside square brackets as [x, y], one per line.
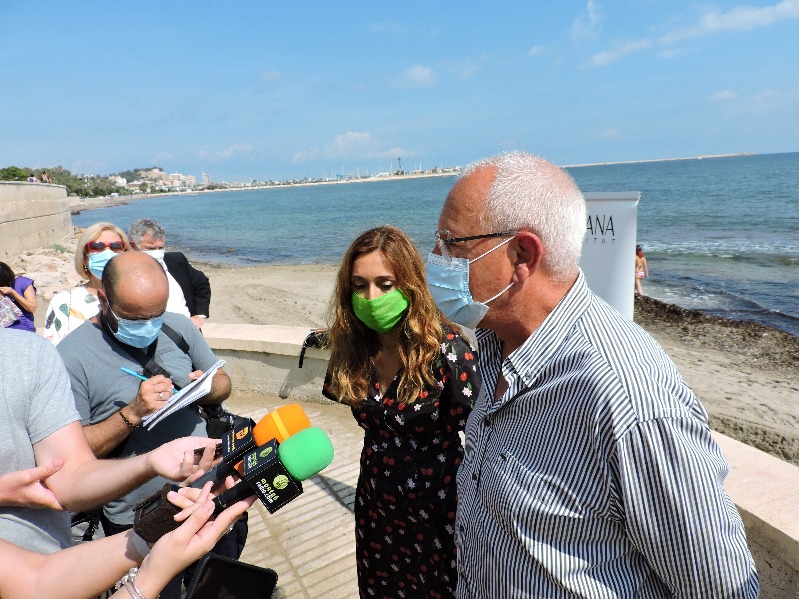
[134, 331]
[189, 288]
[589, 468]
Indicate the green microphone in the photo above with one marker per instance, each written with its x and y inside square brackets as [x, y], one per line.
[275, 471]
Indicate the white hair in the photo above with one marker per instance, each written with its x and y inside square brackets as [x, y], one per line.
[532, 194]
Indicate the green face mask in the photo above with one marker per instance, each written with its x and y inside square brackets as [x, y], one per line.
[382, 313]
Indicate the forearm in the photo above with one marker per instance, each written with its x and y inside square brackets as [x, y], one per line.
[88, 569]
[220, 389]
[27, 301]
[104, 480]
[107, 435]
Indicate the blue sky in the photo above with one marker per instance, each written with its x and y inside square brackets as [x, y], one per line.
[278, 90]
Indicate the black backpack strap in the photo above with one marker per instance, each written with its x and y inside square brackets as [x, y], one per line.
[176, 338]
[147, 358]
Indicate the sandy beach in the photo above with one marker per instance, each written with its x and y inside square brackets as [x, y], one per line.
[746, 375]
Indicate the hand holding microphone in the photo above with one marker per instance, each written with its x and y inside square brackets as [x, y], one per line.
[274, 472]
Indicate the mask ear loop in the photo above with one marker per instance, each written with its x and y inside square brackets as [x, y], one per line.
[486, 302]
[492, 249]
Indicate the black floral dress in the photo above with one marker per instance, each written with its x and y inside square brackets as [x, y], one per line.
[406, 496]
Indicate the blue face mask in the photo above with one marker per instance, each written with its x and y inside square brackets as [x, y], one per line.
[97, 262]
[448, 281]
[137, 333]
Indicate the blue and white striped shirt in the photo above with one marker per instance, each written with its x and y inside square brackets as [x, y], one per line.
[595, 475]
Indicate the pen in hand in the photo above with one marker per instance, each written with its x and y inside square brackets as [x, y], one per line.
[136, 374]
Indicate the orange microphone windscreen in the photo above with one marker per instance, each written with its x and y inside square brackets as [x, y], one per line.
[280, 424]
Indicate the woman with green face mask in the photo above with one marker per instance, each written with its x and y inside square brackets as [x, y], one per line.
[410, 380]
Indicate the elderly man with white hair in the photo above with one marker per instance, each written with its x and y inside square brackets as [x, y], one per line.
[590, 469]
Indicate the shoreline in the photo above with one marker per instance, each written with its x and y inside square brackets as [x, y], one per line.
[84, 204]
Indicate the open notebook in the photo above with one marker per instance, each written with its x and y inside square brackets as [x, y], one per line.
[189, 394]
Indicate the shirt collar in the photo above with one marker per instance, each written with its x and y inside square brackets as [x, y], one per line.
[532, 356]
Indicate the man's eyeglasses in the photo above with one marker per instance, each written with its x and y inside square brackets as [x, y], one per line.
[445, 239]
[99, 246]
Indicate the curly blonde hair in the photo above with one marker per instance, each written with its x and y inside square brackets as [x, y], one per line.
[353, 344]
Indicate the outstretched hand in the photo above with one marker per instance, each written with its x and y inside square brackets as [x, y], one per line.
[27, 488]
[190, 541]
[176, 460]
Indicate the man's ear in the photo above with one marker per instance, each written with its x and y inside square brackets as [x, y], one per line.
[102, 297]
[529, 251]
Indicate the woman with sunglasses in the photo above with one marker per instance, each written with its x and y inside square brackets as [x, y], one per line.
[410, 380]
[69, 309]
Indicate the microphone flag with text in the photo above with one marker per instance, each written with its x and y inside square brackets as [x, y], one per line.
[274, 472]
[279, 424]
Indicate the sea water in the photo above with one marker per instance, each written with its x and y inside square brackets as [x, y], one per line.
[720, 234]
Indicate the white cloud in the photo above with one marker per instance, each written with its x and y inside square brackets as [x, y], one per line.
[466, 69]
[601, 59]
[353, 145]
[418, 76]
[587, 26]
[534, 51]
[739, 18]
[305, 155]
[162, 157]
[724, 95]
[224, 154]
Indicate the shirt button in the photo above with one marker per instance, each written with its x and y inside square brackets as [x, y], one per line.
[474, 475]
[461, 527]
[488, 420]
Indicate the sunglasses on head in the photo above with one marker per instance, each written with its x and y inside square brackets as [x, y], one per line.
[99, 246]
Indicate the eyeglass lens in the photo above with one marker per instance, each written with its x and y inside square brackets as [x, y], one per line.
[115, 246]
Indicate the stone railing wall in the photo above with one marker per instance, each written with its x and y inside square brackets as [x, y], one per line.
[32, 215]
[765, 489]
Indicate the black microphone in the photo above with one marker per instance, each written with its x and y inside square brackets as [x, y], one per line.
[279, 424]
[274, 472]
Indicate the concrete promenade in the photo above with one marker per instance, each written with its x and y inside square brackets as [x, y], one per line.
[310, 543]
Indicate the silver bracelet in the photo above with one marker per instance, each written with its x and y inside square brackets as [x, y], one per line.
[129, 582]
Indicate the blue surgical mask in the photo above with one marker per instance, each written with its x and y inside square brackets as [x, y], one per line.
[138, 333]
[98, 261]
[448, 281]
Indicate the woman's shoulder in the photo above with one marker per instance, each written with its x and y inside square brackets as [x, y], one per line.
[453, 338]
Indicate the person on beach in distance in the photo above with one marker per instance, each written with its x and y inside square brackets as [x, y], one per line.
[641, 269]
[69, 309]
[90, 568]
[133, 330]
[410, 379]
[590, 468]
[22, 292]
[189, 288]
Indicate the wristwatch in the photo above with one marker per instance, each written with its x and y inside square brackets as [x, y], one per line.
[203, 316]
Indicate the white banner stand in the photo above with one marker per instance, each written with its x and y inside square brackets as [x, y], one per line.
[608, 258]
